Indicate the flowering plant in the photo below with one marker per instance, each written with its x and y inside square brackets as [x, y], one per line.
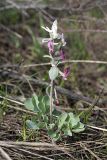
[57, 123]
[56, 54]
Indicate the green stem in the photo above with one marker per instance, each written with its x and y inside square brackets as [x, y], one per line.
[51, 99]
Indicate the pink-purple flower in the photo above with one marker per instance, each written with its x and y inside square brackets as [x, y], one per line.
[51, 46]
[62, 55]
[66, 73]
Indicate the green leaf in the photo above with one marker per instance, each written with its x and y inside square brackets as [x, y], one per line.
[73, 120]
[53, 72]
[62, 119]
[32, 103]
[56, 113]
[35, 102]
[54, 135]
[43, 104]
[35, 99]
[80, 128]
[1, 114]
[42, 107]
[51, 133]
[45, 118]
[42, 125]
[68, 132]
[51, 126]
[32, 125]
[46, 100]
[46, 103]
[29, 105]
[57, 137]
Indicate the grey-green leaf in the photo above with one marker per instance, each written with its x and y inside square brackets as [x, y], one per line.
[67, 132]
[35, 99]
[42, 107]
[80, 128]
[53, 72]
[54, 135]
[35, 102]
[31, 125]
[29, 105]
[62, 119]
[74, 120]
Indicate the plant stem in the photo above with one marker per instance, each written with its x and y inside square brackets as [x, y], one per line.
[51, 100]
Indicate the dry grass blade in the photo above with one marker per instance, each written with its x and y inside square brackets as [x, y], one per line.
[31, 144]
[66, 153]
[90, 151]
[97, 128]
[35, 146]
[11, 100]
[21, 109]
[35, 154]
[4, 154]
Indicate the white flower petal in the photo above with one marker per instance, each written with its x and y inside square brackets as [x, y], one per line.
[63, 40]
[45, 40]
[46, 29]
[61, 73]
[54, 26]
[54, 30]
[56, 44]
[58, 36]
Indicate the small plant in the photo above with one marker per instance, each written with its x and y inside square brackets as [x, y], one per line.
[56, 123]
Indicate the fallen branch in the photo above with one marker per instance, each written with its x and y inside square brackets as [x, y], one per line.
[70, 94]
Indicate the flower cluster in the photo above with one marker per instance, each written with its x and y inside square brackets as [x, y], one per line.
[55, 44]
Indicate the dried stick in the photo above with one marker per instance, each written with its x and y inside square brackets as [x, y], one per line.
[66, 61]
[47, 64]
[60, 90]
[87, 30]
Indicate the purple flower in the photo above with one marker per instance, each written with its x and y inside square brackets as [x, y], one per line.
[66, 73]
[51, 46]
[62, 55]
